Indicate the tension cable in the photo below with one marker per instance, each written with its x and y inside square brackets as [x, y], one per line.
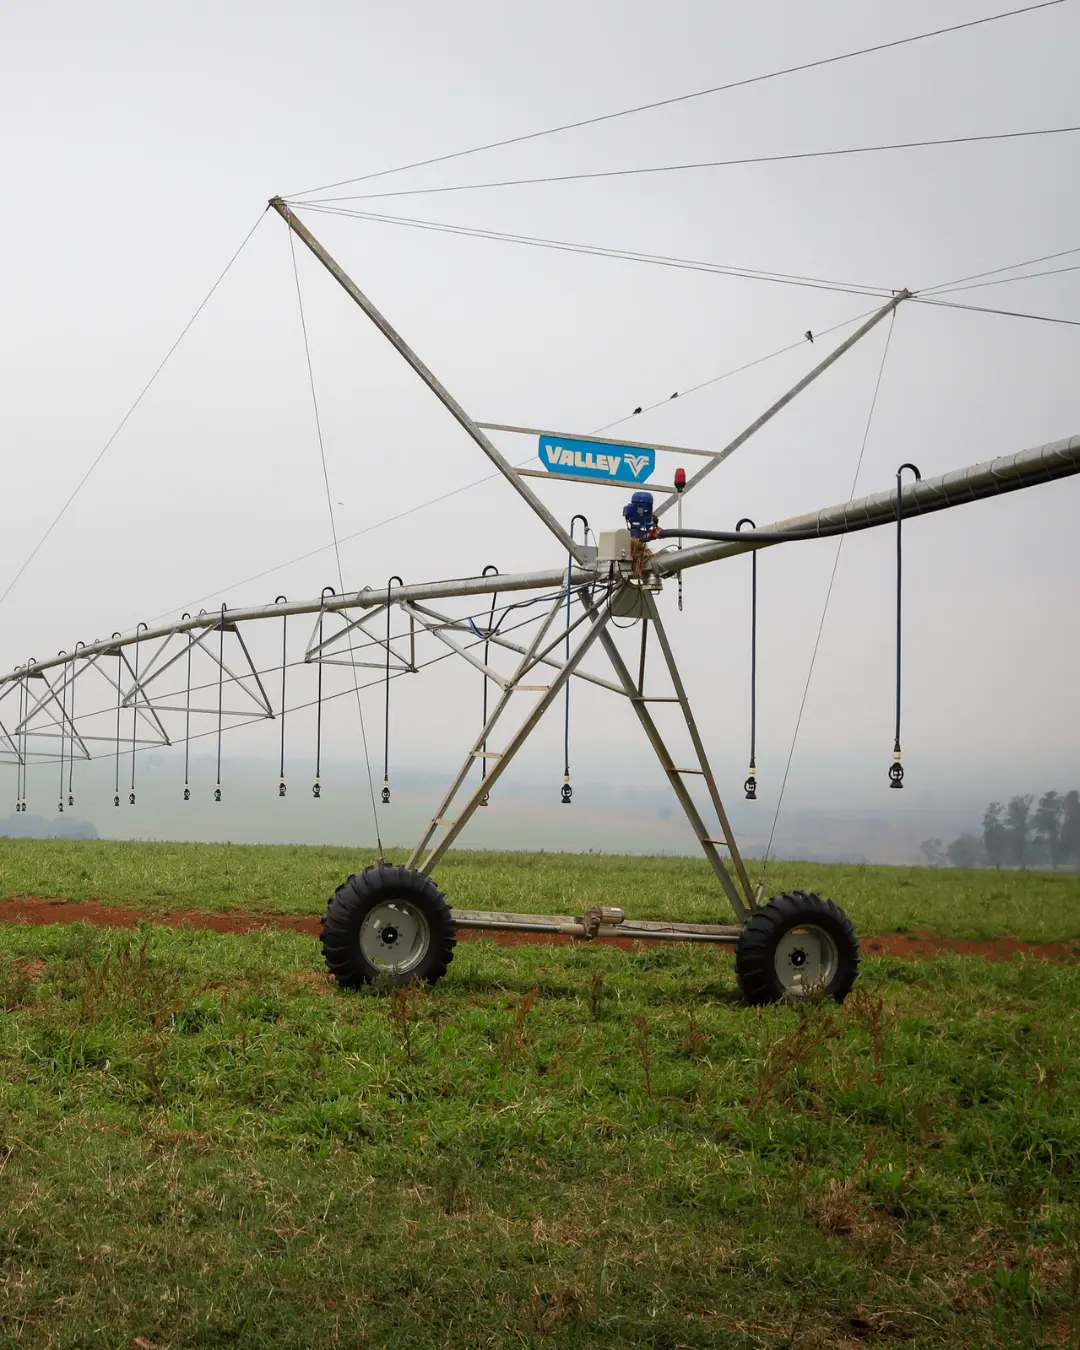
[337, 549]
[825, 606]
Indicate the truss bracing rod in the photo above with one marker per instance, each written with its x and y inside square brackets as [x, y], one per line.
[597, 629]
[508, 689]
[497, 639]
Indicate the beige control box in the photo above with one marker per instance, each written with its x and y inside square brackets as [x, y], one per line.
[614, 546]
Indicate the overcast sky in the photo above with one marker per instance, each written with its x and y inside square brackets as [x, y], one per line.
[142, 142]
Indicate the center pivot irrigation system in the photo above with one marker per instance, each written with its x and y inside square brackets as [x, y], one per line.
[205, 673]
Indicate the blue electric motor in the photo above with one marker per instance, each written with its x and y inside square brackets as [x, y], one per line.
[638, 514]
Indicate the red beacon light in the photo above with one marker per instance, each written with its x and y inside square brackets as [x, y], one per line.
[680, 479]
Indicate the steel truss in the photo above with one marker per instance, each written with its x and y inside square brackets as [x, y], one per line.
[41, 709]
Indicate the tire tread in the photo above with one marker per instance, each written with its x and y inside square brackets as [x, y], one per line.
[356, 896]
[755, 952]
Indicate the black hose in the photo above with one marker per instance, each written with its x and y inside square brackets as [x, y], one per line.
[896, 770]
[770, 536]
[750, 785]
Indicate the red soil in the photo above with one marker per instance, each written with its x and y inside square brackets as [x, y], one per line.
[36, 909]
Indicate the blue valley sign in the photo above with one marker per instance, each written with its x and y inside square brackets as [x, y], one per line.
[594, 459]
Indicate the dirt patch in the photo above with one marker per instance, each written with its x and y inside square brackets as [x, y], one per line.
[36, 909]
[924, 945]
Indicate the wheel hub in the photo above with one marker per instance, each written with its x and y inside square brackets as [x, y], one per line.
[395, 936]
[806, 957]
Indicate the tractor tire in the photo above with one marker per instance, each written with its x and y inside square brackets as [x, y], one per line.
[387, 923]
[794, 944]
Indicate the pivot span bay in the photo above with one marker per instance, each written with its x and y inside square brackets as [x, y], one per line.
[136, 690]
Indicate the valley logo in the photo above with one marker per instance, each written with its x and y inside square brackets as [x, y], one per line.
[594, 459]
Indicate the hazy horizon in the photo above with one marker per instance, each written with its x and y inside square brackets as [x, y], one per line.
[144, 143]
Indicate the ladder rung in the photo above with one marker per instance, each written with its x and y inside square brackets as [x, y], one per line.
[722, 842]
[653, 698]
[486, 754]
[444, 820]
[536, 688]
[700, 771]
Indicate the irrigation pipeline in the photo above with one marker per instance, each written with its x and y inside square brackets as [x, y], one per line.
[1043, 464]
[1027, 468]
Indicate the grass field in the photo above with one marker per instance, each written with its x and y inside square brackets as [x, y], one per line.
[1037, 906]
[203, 1144]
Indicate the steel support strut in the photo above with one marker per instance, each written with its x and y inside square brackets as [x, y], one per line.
[785, 399]
[699, 749]
[437, 388]
[739, 892]
[741, 904]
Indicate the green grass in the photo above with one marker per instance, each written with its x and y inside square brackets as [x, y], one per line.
[202, 1144]
[1038, 906]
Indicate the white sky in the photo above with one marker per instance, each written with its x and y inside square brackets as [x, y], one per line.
[143, 141]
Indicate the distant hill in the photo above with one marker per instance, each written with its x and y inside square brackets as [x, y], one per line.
[37, 827]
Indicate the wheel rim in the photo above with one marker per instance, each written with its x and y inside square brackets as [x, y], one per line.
[806, 958]
[394, 936]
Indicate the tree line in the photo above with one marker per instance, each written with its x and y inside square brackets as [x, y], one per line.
[1018, 833]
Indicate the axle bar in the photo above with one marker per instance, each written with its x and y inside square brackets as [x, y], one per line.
[642, 930]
